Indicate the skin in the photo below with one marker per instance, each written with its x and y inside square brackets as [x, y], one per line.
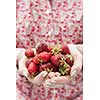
[59, 81]
[22, 69]
[53, 79]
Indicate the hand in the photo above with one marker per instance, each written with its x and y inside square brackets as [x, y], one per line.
[80, 48]
[39, 79]
[23, 70]
[56, 81]
[78, 59]
[19, 55]
[76, 68]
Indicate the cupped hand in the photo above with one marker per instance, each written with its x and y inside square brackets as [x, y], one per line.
[39, 79]
[59, 81]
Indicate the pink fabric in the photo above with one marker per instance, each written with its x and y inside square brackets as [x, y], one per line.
[61, 22]
[37, 22]
[27, 91]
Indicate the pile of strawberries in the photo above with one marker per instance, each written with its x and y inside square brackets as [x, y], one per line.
[50, 59]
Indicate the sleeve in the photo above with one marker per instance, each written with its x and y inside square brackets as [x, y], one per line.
[75, 20]
[23, 86]
[24, 19]
[20, 58]
[75, 9]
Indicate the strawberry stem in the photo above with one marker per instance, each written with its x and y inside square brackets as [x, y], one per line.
[56, 50]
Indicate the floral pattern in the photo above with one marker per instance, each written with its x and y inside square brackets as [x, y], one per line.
[38, 22]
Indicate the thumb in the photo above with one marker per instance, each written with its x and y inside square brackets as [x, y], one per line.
[40, 78]
[60, 80]
[22, 67]
[76, 69]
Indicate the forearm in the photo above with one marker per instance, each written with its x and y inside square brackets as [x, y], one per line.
[78, 59]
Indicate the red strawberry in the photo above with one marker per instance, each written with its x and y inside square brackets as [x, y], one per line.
[28, 62]
[49, 48]
[36, 59]
[69, 59]
[55, 59]
[42, 47]
[65, 69]
[29, 53]
[65, 49]
[49, 67]
[44, 57]
[32, 68]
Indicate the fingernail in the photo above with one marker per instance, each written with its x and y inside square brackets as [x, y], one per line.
[47, 86]
[53, 81]
[73, 73]
[45, 74]
[48, 83]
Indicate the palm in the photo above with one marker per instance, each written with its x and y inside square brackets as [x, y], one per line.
[76, 68]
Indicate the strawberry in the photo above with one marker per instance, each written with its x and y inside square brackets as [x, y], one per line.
[55, 59]
[36, 59]
[49, 67]
[65, 49]
[49, 48]
[29, 53]
[65, 69]
[69, 59]
[42, 47]
[32, 68]
[28, 62]
[43, 57]
[56, 49]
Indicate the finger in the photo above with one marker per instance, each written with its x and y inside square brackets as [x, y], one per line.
[22, 67]
[57, 74]
[60, 80]
[50, 85]
[74, 51]
[74, 72]
[77, 66]
[39, 78]
[80, 48]
[19, 53]
[77, 56]
[55, 86]
[51, 75]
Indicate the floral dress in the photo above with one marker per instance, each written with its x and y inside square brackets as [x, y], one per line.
[50, 21]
